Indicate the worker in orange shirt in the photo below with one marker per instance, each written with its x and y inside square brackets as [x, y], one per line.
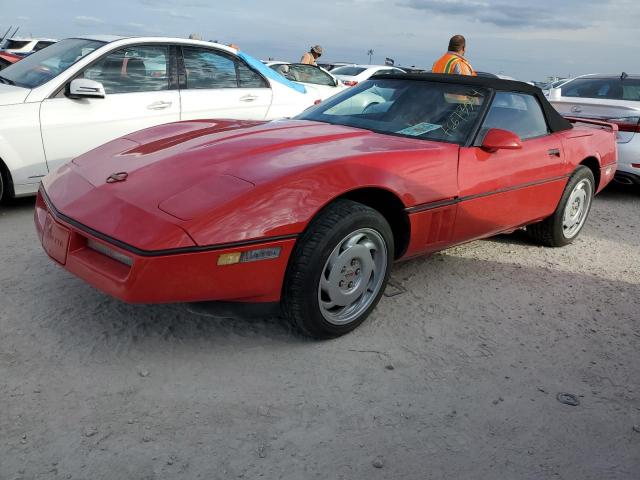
[453, 61]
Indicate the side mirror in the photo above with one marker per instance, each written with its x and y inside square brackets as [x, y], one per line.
[498, 139]
[85, 88]
[555, 93]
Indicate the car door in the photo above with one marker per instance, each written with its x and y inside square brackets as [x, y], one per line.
[217, 84]
[509, 188]
[138, 95]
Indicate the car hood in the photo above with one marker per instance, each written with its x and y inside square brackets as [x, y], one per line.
[10, 95]
[172, 157]
[182, 172]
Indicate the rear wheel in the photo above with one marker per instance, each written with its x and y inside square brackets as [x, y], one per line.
[3, 185]
[338, 270]
[567, 221]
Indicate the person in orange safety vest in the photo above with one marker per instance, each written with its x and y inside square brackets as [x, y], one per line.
[453, 61]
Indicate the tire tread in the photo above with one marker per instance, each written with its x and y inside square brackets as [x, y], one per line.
[310, 241]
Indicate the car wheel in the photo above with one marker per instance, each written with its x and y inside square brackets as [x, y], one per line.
[567, 221]
[338, 270]
[4, 191]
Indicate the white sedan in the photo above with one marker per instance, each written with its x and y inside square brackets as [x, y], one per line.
[25, 46]
[317, 78]
[351, 75]
[82, 92]
[614, 98]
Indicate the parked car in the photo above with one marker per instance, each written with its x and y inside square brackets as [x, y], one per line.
[26, 46]
[414, 70]
[351, 75]
[308, 214]
[82, 92]
[557, 84]
[310, 76]
[614, 99]
[7, 59]
[331, 66]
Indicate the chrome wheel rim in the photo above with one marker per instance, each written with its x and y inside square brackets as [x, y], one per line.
[577, 208]
[352, 276]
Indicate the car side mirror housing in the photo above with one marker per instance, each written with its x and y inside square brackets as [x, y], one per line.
[555, 93]
[497, 139]
[85, 88]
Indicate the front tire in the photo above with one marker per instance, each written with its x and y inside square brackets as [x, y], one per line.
[338, 270]
[567, 221]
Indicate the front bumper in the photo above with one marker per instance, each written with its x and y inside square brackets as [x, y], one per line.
[156, 277]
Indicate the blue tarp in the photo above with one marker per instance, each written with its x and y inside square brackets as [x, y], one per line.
[269, 73]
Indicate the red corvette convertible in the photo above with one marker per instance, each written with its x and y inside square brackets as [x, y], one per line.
[310, 213]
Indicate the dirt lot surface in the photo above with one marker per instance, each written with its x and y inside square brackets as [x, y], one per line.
[454, 377]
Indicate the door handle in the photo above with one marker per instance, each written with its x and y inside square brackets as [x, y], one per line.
[159, 105]
[554, 152]
[248, 98]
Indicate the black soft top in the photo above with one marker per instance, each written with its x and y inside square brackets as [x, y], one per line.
[555, 121]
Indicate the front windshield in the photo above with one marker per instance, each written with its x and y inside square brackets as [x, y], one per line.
[411, 108]
[40, 67]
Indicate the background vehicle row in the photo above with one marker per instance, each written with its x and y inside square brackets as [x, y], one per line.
[82, 92]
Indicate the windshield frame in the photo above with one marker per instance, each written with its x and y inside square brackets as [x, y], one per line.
[468, 141]
[37, 59]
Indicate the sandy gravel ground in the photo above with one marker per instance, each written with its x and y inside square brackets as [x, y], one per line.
[455, 377]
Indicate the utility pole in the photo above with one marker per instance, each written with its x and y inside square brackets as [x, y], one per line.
[370, 53]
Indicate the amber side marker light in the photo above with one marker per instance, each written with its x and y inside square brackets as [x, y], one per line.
[249, 256]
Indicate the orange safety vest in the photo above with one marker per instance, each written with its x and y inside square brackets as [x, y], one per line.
[447, 63]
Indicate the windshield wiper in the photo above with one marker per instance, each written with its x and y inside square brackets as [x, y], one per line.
[7, 80]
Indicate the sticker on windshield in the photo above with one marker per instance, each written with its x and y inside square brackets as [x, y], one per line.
[419, 129]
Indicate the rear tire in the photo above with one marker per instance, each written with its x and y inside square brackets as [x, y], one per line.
[338, 270]
[567, 221]
[4, 185]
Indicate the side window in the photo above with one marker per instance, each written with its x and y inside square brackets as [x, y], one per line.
[247, 78]
[133, 69]
[519, 113]
[307, 74]
[206, 69]
[631, 91]
[40, 45]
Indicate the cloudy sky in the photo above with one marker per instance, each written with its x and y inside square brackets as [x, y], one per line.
[522, 39]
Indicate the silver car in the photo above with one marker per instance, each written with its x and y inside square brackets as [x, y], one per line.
[614, 98]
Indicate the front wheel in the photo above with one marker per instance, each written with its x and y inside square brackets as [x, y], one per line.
[567, 221]
[338, 270]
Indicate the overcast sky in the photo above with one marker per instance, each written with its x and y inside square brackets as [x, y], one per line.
[527, 41]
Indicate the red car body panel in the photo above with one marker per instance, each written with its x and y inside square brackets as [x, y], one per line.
[195, 191]
[290, 168]
[163, 278]
[10, 57]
